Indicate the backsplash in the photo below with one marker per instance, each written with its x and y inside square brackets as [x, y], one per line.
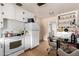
[13, 26]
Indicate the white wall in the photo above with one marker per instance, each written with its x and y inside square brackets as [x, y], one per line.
[44, 26]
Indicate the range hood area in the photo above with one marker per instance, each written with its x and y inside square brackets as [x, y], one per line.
[40, 4]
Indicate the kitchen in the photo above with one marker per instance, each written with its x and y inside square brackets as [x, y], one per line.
[16, 29]
[25, 28]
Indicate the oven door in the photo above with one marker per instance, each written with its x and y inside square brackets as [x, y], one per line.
[13, 44]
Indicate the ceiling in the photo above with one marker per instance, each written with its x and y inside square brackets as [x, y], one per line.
[50, 9]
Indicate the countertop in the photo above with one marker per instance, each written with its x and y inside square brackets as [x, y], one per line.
[63, 34]
[14, 36]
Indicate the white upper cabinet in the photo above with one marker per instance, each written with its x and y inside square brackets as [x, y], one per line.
[1, 20]
[12, 11]
[0, 11]
[20, 14]
[8, 10]
[29, 14]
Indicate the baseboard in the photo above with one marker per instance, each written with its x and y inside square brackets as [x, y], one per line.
[17, 53]
[41, 40]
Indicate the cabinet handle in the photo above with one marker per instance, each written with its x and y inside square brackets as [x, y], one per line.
[1, 22]
[23, 18]
[23, 12]
[2, 13]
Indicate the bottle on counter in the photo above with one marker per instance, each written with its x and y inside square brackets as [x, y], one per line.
[73, 38]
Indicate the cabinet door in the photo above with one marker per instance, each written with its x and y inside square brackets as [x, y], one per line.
[1, 20]
[8, 10]
[1, 53]
[28, 15]
[27, 42]
[0, 10]
[24, 15]
[19, 13]
[35, 38]
[1, 48]
[23, 41]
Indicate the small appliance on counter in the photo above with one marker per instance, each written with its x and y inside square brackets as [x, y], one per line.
[31, 20]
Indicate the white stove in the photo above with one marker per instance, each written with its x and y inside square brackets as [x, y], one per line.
[13, 45]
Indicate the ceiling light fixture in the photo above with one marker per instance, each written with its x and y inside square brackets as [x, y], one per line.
[40, 4]
[19, 4]
[51, 12]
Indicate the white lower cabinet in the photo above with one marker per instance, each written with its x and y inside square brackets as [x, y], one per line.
[27, 42]
[35, 39]
[1, 53]
[1, 47]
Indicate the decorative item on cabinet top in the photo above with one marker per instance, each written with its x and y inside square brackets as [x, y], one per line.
[69, 19]
[68, 16]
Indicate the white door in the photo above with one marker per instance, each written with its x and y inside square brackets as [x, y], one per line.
[53, 27]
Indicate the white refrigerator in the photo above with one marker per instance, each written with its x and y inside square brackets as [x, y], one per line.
[33, 33]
